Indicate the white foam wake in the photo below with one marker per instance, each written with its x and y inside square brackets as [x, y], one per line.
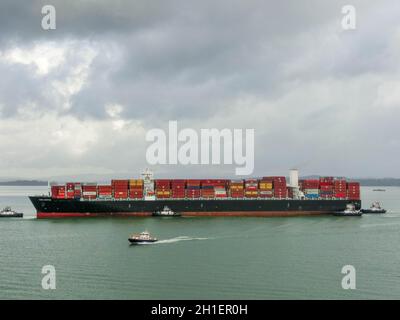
[181, 238]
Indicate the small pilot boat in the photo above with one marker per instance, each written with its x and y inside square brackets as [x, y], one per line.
[166, 212]
[142, 238]
[350, 211]
[375, 208]
[7, 212]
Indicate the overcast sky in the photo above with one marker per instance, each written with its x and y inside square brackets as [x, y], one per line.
[79, 99]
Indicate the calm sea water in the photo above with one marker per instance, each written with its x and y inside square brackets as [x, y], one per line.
[201, 258]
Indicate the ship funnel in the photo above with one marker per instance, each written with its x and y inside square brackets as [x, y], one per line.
[294, 178]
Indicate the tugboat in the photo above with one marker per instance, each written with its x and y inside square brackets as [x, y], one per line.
[375, 208]
[142, 238]
[166, 212]
[349, 212]
[8, 213]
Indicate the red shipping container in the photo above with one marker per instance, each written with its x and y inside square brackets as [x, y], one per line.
[70, 194]
[89, 187]
[120, 183]
[221, 196]
[192, 191]
[326, 179]
[120, 186]
[193, 182]
[120, 195]
[310, 184]
[70, 186]
[353, 183]
[104, 188]
[251, 188]
[163, 182]
[340, 195]
[58, 191]
[250, 181]
[181, 191]
[89, 196]
[278, 178]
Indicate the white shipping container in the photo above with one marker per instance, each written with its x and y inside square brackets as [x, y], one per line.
[266, 192]
[311, 191]
[89, 193]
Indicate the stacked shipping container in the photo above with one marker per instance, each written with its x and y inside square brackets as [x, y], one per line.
[89, 191]
[136, 188]
[236, 189]
[280, 189]
[353, 190]
[178, 188]
[220, 188]
[267, 187]
[193, 189]
[207, 189]
[104, 191]
[311, 188]
[326, 187]
[58, 192]
[120, 188]
[163, 188]
[70, 190]
[340, 188]
[251, 188]
[77, 190]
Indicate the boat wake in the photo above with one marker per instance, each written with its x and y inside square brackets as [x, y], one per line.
[177, 239]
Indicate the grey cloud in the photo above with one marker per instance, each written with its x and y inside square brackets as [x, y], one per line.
[202, 62]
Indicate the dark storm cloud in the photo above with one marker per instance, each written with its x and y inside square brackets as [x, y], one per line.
[176, 58]
[20, 19]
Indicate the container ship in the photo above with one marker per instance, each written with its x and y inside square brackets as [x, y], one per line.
[266, 196]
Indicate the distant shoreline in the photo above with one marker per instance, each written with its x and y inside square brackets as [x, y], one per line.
[23, 183]
[379, 182]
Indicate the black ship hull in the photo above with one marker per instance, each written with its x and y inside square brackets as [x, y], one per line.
[48, 207]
